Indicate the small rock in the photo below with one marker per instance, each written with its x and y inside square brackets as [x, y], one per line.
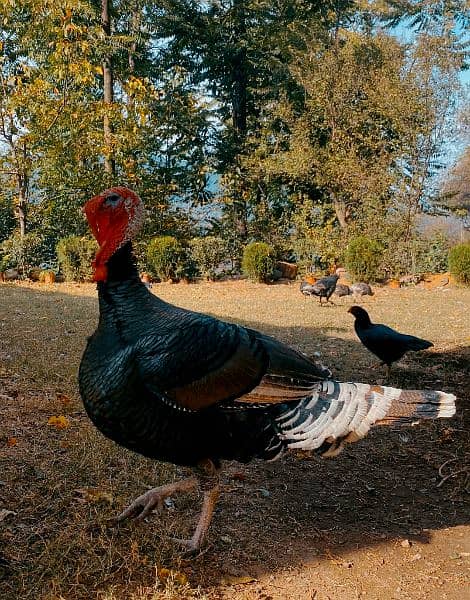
[405, 544]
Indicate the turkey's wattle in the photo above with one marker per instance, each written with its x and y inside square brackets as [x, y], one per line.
[186, 388]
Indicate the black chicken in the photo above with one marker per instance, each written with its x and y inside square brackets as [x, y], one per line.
[324, 287]
[185, 388]
[386, 343]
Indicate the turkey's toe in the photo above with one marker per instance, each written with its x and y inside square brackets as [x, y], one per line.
[144, 504]
[190, 546]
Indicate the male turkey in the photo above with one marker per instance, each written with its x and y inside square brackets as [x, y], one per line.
[186, 388]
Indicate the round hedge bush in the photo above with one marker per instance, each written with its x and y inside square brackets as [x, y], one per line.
[459, 262]
[363, 259]
[75, 255]
[259, 261]
[207, 253]
[166, 258]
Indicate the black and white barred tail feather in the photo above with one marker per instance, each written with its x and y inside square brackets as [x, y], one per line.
[339, 413]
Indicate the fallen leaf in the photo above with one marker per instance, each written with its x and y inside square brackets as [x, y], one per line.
[163, 574]
[4, 513]
[94, 495]
[12, 441]
[60, 422]
[63, 399]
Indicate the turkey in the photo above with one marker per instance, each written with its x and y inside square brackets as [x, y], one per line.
[361, 289]
[323, 288]
[306, 288]
[342, 290]
[386, 343]
[185, 388]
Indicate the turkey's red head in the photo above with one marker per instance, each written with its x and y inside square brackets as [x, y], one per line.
[115, 216]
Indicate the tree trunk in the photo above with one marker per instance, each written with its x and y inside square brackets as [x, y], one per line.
[239, 75]
[21, 210]
[342, 213]
[108, 91]
[239, 81]
[133, 30]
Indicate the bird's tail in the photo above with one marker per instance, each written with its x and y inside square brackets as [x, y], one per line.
[339, 413]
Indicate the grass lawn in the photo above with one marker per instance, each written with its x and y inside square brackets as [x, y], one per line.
[388, 518]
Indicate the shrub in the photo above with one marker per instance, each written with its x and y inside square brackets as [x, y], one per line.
[75, 255]
[166, 258]
[22, 253]
[363, 258]
[459, 262]
[434, 254]
[258, 261]
[320, 250]
[207, 253]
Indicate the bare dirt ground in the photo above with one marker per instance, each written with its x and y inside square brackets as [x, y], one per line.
[388, 519]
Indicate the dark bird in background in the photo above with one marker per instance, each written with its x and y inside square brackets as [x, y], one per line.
[361, 289]
[323, 288]
[386, 343]
[342, 290]
[185, 388]
[305, 288]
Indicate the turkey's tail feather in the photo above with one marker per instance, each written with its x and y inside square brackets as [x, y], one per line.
[339, 413]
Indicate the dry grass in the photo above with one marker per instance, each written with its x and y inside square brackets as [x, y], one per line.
[64, 484]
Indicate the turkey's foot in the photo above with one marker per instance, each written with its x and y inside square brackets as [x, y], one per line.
[144, 504]
[210, 499]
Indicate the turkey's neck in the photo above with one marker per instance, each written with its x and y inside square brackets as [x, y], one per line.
[122, 265]
[123, 298]
[363, 321]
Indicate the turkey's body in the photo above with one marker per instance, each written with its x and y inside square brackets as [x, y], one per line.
[144, 349]
[186, 388]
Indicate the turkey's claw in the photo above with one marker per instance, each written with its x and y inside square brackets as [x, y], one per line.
[144, 504]
[190, 546]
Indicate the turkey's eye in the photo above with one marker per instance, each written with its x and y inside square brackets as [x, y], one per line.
[112, 200]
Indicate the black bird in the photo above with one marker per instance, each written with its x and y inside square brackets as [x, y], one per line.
[324, 287]
[386, 343]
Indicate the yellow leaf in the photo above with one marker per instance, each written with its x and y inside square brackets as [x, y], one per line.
[163, 574]
[60, 422]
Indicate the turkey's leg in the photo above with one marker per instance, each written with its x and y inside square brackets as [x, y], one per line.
[207, 477]
[205, 518]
